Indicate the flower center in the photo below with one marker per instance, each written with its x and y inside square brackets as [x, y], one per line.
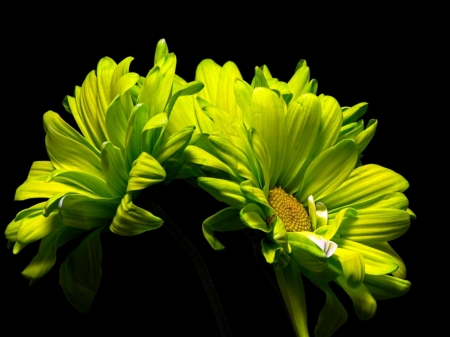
[289, 210]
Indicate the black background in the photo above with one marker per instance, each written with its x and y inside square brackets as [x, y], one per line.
[148, 283]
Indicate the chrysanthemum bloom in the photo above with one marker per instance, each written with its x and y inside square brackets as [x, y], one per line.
[91, 179]
[287, 163]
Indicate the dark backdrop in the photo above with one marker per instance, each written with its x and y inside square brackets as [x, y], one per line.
[148, 283]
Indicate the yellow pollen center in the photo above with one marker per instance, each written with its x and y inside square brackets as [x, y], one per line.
[289, 210]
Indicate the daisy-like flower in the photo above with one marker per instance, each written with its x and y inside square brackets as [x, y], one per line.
[92, 178]
[287, 163]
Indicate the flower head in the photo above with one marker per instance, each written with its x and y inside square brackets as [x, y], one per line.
[287, 162]
[92, 178]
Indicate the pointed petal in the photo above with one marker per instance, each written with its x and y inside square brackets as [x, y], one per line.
[146, 171]
[364, 183]
[375, 225]
[113, 166]
[81, 272]
[35, 228]
[376, 262]
[208, 72]
[363, 302]
[190, 88]
[385, 247]
[223, 190]
[291, 286]
[364, 138]
[116, 123]
[385, 286]
[354, 113]
[253, 216]
[133, 138]
[85, 212]
[332, 315]
[225, 94]
[132, 220]
[40, 168]
[329, 170]
[174, 146]
[268, 118]
[227, 219]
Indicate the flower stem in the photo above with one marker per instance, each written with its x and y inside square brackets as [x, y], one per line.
[197, 260]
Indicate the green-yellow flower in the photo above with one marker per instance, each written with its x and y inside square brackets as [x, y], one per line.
[287, 163]
[92, 178]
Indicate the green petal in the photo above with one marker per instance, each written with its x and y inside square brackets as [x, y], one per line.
[132, 220]
[330, 230]
[151, 133]
[253, 216]
[223, 190]
[270, 250]
[350, 131]
[332, 315]
[330, 124]
[376, 262]
[208, 72]
[257, 195]
[85, 212]
[190, 88]
[67, 149]
[87, 99]
[105, 71]
[174, 146]
[298, 82]
[158, 85]
[307, 252]
[81, 272]
[113, 166]
[90, 184]
[40, 168]
[124, 84]
[133, 138]
[385, 287]
[46, 256]
[363, 302]
[303, 121]
[146, 171]
[263, 156]
[227, 219]
[161, 50]
[225, 94]
[354, 113]
[291, 286]
[364, 183]
[35, 228]
[352, 265]
[385, 247]
[43, 189]
[259, 80]
[206, 161]
[375, 225]
[116, 123]
[234, 153]
[366, 136]
[395, 200]
[243, 93]
[329, 170]
[31, 211]
[268, 118]
[119, 72]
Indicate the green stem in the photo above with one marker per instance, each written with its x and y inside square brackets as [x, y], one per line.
[200, 265]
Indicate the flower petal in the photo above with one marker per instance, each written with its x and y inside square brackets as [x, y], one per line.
[306, 252]
[375, 225]
[227, 219]
[84, 212]
[268, 118]
[35, 228]
[132, 220]
[329, 170]
[385, 247]
[146, 171]
[332, 315]
[81, 272]
[174, 146]
[364, 183]
[291, 286]
[385, 286]
[40, 168]
[113, 166]
[253, 216]
[208, 72]
[376, 262]
[363, 302]
[223, 190]
[225, 94]
[352, 264]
